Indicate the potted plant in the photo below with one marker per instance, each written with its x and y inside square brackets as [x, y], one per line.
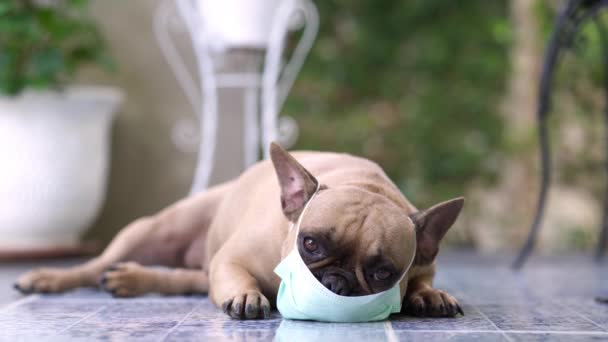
[54, 138]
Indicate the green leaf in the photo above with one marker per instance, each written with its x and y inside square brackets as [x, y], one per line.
[78, 4]
[4, 8]
[47, 63]
[42, 46]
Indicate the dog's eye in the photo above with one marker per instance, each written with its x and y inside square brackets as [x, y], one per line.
[382, 274]
[310, 244]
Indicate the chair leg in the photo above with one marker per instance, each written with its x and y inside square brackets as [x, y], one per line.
[567, 25]
[563, 28]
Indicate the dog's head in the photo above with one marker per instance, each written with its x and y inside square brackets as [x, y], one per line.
[356, 242]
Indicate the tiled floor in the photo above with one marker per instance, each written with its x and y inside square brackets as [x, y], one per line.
[551, 300]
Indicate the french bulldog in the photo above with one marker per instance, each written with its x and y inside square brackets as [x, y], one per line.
[227, 240]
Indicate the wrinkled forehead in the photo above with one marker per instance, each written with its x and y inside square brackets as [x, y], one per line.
[359, 210]
[361, 222]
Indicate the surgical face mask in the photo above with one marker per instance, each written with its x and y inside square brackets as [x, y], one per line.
[302, 296]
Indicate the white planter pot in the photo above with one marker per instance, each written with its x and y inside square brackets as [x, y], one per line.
[54, 150]
[239, 23]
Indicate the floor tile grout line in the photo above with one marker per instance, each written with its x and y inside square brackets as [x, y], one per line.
[580, 315]
[19, 302]
[90, 314]
[113, 300]
[493, 324]
[557, 332]
[178, 324]
[515, 332]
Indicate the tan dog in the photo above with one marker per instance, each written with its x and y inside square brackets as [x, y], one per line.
[355, 237]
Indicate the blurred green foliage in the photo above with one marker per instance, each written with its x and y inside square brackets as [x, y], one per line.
[414, 85]
[42, 43]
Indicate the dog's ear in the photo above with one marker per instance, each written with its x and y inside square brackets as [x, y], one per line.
[297, 184]
[431, 226]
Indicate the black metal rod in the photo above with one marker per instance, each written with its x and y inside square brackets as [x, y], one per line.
[567, 25]
[544, 104]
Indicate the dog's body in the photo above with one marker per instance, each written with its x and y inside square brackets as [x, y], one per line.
[226, 241]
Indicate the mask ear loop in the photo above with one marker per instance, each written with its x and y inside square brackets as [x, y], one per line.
[413, 256]
[299, 222]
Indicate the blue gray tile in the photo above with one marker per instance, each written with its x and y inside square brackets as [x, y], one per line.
[438, 336]
[103, 331]
[127, 311]
[302, 331]
[590, 309]
[217, 332]
[44, 308]
[542, 303]
[553, 337]
[472, 320]
[537, 316]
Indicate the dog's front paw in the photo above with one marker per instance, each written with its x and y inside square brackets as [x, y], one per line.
[432, 303]
[248, 305]
[127, 279]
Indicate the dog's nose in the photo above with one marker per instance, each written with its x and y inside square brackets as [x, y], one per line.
[336, 284]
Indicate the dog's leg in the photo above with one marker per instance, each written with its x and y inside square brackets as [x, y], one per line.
[237, 291]
[160, 240]
[423, 300]
[130, 279]
[48, 280]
